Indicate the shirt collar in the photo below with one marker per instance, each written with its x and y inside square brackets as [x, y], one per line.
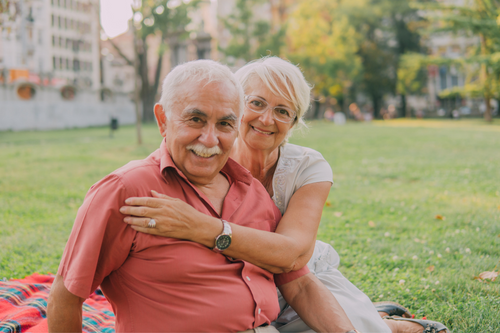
[231, 169]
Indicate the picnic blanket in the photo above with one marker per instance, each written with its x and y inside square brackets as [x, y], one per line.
[23, 307]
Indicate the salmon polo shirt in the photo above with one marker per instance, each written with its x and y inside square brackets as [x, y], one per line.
[159, 284]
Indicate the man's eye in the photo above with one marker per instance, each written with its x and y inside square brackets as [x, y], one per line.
[226, 123]
[196, 119]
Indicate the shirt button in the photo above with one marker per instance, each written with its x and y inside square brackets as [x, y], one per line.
[259, 311]
[248, 278]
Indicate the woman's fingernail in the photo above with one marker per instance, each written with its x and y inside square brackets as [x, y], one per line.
[127, 201]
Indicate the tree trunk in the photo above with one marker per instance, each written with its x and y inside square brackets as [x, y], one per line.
[148, 104]
[403, 112]
[138, 118]
[486, 82]
[376, 106]
[487, 112]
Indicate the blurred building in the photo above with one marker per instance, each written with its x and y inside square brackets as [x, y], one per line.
[50, 65]
[448, 77]
[56, 39]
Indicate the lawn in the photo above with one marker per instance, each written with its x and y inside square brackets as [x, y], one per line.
[392, 179]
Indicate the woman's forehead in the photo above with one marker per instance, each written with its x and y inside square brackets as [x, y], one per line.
[257, 87]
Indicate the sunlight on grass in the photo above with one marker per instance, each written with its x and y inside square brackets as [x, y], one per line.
[474, 124]
[392, 179]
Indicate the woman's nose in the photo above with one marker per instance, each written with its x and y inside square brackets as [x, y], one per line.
[267, 117]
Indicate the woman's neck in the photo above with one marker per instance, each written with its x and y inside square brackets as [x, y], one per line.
[261, 164]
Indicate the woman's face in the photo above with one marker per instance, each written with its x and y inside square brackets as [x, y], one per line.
[262, 131]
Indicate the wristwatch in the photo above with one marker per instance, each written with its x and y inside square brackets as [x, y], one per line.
[223, 241]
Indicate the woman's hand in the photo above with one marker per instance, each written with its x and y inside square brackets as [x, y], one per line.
[174, 218]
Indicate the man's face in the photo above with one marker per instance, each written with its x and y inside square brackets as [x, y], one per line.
[201, 130]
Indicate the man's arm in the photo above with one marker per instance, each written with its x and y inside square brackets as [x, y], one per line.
[316, 305]
[64, 310]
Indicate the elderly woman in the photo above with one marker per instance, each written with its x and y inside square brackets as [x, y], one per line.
[298, 179]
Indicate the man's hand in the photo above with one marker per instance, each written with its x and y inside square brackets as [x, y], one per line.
[316, 305]
[64, 310]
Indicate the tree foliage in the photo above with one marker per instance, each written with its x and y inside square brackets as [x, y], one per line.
[165, 19]
[324, 42]
[251, 37]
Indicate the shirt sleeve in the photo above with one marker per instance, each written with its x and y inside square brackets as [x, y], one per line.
[284, 278]
[315, 169]
[100, 241]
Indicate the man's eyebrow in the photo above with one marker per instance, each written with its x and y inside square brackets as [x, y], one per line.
[190, 112]
[229, 117]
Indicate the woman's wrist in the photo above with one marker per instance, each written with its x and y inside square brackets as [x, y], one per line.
[207, 229]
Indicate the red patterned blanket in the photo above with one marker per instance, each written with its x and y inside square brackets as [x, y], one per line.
[23, 307]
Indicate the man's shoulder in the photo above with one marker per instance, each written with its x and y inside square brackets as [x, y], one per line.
[134, 172]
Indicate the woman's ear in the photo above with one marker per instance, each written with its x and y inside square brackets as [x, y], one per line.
[161, 119]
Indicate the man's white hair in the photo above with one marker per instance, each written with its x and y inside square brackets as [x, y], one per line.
[192, 72]
[282, 78]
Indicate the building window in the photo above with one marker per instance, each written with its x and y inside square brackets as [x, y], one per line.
[76, 65]
[67, 63]
[59, 21]
[442, 77]
[52, 2]
[54, 63]
[60, 63]
[71, 24]
[53, 40]
[40, 37]
[65, 23]
[53, 20]
[454, 80]
[60, 42]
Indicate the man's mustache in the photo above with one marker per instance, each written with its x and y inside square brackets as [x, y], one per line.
[202, 150]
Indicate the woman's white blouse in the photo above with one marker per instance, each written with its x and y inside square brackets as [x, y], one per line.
[297, 166]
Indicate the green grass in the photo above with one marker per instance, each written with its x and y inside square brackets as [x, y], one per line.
[397, 174]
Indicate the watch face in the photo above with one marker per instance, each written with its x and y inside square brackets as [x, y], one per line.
[223, 242]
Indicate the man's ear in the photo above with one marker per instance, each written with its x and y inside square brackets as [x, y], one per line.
[161, 119]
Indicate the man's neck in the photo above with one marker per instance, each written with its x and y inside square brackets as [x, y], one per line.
[215, 191]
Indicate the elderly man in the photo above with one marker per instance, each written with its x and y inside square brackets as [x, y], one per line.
[158, 284]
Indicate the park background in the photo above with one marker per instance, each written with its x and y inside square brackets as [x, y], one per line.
[415, 208]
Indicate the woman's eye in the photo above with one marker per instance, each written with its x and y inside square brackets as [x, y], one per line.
[284, 112]
[257, 103]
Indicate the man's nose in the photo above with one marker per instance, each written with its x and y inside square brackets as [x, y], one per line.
[209, 136]
[267, 117]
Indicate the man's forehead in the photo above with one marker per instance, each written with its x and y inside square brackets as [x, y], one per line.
[202, 98]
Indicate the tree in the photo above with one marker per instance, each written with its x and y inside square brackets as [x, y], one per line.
[250, 38]
[321, 38]
[165, 19]
[480, 19]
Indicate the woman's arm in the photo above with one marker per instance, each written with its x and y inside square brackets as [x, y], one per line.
[315, 304]
[289, 248]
